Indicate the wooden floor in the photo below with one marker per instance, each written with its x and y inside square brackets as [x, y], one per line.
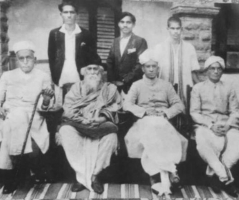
[111, 191]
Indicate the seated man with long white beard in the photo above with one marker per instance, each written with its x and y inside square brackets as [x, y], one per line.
[88, 131]
[152, 138]
[19, 89]
[214, 109]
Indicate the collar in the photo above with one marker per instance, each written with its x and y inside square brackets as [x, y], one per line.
[76, 30]
[125, 38]
[214, 84]
[25, 75]
[170, 41]
[150, 82]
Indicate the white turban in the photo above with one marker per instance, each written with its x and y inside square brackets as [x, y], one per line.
[23, 45]
[82, 71]
[146, 56]
[214, 59]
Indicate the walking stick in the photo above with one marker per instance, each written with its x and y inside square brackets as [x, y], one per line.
[27, 134]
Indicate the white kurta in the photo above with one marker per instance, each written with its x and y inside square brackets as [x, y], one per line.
[215, 103]
[69, 72]
[18, 93]
[153, 138]
[189, 62]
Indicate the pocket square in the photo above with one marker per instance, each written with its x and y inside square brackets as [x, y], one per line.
[131, 50]
[82, 44]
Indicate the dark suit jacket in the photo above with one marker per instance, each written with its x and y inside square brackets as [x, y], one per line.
[85, 51]
[126, 68]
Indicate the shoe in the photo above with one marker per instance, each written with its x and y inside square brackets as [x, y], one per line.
[215, 184]
[97, 186]
[77, 187]
[154, 179]
[174, 179]
[231, 190]
[9, 188]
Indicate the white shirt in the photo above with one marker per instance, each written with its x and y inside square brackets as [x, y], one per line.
[69, 72]
[123, 43]
[175, 61]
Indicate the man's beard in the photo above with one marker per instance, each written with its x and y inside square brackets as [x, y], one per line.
[92, 83]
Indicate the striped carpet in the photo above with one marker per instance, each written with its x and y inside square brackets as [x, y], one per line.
[111, 191]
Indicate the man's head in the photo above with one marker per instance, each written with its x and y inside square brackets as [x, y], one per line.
[149, 63]
[93, 77]
[126, 23]
[68, 12]
[25, 55]
[214, 67]
[174, 28]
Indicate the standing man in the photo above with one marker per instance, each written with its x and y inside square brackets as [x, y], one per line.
[214, 109]
[177, 59]
[123, 60]
[70, 48]
[19, 89]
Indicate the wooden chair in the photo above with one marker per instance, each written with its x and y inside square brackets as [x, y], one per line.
[195, 165]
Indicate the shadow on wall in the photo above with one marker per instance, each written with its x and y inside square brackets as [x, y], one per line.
[33, 20]
[151, 19]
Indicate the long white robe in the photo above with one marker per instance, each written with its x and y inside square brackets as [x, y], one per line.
[18, 92]
[189, 62]
[88, 156]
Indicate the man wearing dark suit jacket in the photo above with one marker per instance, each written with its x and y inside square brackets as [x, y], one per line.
[122, 62]
[70, 48]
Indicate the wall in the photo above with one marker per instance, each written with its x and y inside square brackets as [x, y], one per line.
[33, 20]
[151, 19]
[234, 79]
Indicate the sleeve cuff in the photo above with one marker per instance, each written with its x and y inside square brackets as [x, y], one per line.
[43, 107]
[210, 125]
[167, 114]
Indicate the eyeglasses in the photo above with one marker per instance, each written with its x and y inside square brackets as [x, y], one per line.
[215, 69]
[27, 58]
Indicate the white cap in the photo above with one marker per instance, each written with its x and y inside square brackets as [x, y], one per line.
[214, 59]
[146, 56]
[82, 71]
[23, 45]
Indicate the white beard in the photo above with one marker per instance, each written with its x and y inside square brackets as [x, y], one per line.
[92, 83]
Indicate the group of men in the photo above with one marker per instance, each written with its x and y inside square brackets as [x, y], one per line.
[88, 129]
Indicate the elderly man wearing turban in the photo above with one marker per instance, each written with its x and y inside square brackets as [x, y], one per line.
[152, 138]
[19, 89]
[214, 109]
[88, 129]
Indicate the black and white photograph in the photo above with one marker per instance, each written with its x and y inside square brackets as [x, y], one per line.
[119, 99]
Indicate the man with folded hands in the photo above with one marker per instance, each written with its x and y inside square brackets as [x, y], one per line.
[88, 129]
[152, 137]
[214, 109]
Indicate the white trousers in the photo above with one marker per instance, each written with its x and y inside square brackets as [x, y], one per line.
[86, 156]
[209, 147]
[159, 145]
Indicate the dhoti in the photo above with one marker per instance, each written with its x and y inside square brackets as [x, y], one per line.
[210, 146]
[86, 156]
[13, 130]
[158, 144]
